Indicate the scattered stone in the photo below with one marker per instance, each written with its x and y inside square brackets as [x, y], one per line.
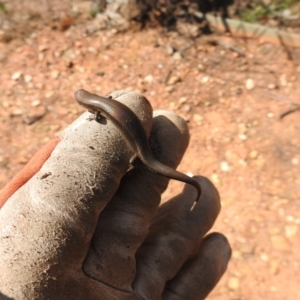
[290, 218]
[205, 79]
[280, 243]
[273, 289]
[270, 115]
[35, 103]
[295, 161]
[253, 154]
[100, 73]
[197, 118]
[242, 128]
[233, 283]
[49, 94]
[182, 100]
[250, 84]
[215, 178]
[291, 230]
[177, 55]
[16, 75]
[274, 267]
[186, 108]
[42, 48]
[173, 80]
[91, 50]
[264, 257]
[55, 74]
[243, 137]
[283, 80]
[224, 166]
[169, 49]
[16, 112]
[148, 79]
[246, 249]
[27, 78]
[170, 89]
[201, 67]
[5, 104]
[242, 162]
[236, 254]
[272, 86]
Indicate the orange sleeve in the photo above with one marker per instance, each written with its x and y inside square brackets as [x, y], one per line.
[31, 168]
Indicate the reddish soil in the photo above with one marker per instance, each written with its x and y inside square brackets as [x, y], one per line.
[233, 105]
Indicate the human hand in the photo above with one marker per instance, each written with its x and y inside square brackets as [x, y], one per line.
[80, 229]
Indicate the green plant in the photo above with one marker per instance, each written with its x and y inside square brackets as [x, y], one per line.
[3, 8]
[94, 12]
[259, 9]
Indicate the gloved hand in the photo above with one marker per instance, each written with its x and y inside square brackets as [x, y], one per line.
[76, 225]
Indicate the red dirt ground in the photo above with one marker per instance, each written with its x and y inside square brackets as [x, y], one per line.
[232, 103]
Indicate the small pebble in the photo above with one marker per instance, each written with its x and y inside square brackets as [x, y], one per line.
[173, 80]
[27, 78]
[264, 257]
[233, 283]
[253, 154]
[35, 103]
[205, 79]
[91, 49]
[55, 74]
[273, 289]
[186, 108]
[169, 49]
[224, 166]
[197, 118]
[295, 161]
[250, 84]
[16, 112]
[270, 115]
[201, 67]
[177, 55]
[291, 230]
[215, 178]
[182, 100]
[170, 88]
[280, 243]
[148, 79]
[49, 94]
[16, 75]
[272, 86]
[283, 80]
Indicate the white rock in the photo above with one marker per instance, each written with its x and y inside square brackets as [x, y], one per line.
[250, 84]
[27, 78]
[224, 166]
[16, 75]
[291, 230]
[233, 283]
[205, 79]
[148, 79]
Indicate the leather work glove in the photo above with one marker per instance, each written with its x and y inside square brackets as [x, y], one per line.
[74, 224]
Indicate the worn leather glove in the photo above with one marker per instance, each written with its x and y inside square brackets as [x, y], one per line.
[74, 224]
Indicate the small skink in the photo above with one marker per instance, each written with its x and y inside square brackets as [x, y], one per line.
[132, 129]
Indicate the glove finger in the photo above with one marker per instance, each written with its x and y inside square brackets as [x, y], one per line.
[50, 220]
[199, 276]
[175, 234]
[123, 225]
